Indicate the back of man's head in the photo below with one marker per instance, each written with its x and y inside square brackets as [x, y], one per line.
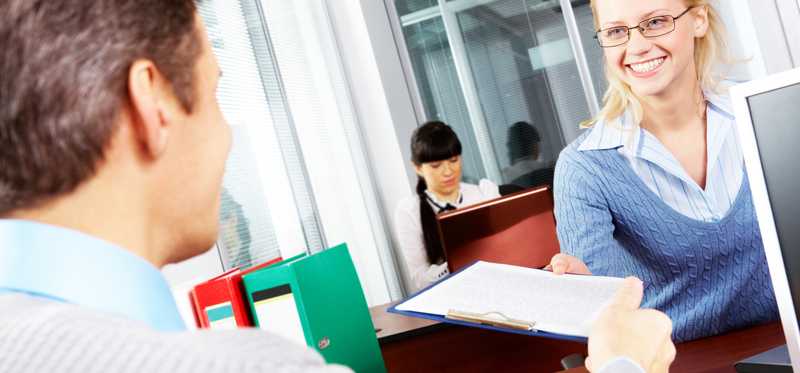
[64, 68]
[523, 141]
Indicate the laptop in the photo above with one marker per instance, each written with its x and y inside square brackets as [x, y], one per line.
[517, 229]
[768, 123]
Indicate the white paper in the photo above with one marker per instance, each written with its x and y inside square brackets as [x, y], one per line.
[279, 315]
[566, 304]
[221, 323]
[228, 323]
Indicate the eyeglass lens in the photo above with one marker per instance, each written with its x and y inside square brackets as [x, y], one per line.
[651, 27]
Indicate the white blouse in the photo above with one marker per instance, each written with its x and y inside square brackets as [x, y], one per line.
[408, 229]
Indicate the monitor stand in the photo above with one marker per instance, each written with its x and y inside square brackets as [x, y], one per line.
[775, 360]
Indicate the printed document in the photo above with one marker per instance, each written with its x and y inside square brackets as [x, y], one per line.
[566, 304]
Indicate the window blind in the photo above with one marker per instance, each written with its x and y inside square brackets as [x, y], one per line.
[259, 216]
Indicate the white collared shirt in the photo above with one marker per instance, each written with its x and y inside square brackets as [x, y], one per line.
[664, 175]
[408, 229]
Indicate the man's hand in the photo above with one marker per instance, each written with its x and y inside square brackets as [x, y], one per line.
[624, 330]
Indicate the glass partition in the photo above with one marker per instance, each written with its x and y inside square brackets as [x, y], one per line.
[435, 71]
[504, 74]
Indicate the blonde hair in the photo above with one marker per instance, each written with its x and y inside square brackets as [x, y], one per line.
[709, 51]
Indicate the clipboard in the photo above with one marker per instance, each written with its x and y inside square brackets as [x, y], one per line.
[490, 320]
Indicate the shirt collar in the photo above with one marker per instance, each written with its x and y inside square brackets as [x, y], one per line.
[719, 103]
[720, 125]
[612, 134]
[439, 204]
[623, 133]
[69, 266]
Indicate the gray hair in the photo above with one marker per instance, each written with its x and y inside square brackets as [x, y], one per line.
[63, 80]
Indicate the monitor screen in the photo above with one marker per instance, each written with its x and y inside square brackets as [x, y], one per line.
[776, 122]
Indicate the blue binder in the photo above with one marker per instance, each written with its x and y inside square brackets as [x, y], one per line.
[444, 319]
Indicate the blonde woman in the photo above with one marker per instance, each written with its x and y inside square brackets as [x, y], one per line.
[656, 188]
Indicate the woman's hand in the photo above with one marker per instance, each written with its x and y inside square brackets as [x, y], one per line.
[563, 263]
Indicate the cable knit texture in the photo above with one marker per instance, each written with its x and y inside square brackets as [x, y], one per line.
[709, 277]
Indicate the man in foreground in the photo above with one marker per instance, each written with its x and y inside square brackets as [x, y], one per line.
[112, 149]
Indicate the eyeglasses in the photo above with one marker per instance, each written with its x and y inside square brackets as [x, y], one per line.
[649, 28]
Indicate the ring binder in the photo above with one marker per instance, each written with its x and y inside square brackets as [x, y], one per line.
[500, 320]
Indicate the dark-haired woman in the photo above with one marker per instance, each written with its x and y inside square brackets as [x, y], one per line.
[436, 157]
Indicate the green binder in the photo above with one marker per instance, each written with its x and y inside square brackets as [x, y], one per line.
[317, 300]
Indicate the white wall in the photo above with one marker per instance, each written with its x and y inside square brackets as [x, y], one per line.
[743, 40]
[329, 138]
[790, 19]
[770, 29]
[381, 98]
[184, 275]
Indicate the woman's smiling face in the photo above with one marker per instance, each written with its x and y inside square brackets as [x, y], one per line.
[651, 66]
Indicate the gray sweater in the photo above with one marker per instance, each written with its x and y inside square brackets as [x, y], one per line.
[39, 335]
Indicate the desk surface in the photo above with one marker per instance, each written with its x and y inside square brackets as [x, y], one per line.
[411, 344]
[391, 327]
[718, 354]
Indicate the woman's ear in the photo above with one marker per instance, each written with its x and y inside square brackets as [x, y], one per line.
[417, 169]
[701, 22]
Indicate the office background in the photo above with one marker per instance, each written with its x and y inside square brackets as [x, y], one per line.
[323, 96]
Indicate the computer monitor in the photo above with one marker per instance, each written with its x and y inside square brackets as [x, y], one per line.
[518, 229]
[768, 120]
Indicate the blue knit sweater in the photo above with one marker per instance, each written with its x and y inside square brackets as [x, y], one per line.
[708, 277]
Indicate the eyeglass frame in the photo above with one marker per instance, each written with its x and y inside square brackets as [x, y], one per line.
[640, 28]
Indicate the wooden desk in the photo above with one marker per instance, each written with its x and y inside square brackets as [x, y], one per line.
[417, 345]
[718, 354]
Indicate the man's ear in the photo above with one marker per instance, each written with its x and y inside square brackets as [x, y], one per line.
[148, 111]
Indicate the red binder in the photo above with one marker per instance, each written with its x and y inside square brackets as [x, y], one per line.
[220, 303]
